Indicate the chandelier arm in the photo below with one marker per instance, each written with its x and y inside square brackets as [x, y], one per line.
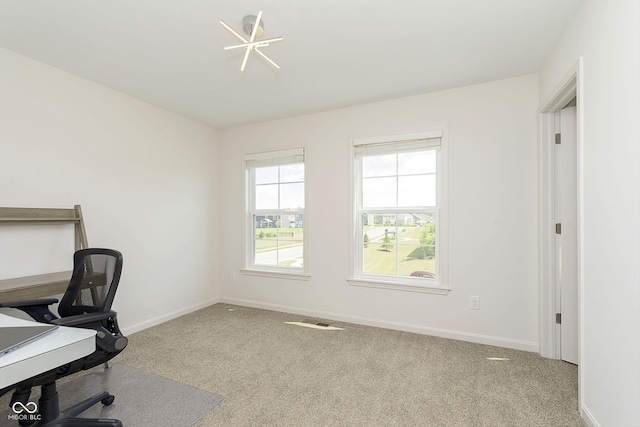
[234, 32]
[272, 40]
[265, 57]
[236, 46]
[255, 27]
[259, 43]
[246, 56]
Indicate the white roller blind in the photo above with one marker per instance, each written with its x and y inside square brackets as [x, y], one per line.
[362, 147]
[274, 158]
[415, 141]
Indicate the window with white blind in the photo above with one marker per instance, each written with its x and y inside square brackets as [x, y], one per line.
[398, 206]
[275, 211]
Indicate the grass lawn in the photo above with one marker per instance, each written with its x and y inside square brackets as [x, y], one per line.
[411, 256]
[287, 263]
[379, 261]
[285, 238]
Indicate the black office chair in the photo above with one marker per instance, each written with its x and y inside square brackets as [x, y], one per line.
[85, 304]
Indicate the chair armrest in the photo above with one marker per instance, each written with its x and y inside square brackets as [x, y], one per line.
[108, 335]
[83, 319]
[38, 309]
[28, 303]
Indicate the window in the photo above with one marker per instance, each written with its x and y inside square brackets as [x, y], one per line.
[398, 207]
[275, 217]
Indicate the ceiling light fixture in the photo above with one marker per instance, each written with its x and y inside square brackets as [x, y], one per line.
[253, 26]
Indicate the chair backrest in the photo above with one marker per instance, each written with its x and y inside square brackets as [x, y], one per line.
[96, 273]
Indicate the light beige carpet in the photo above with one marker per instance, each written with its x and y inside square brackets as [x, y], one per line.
[276, 374]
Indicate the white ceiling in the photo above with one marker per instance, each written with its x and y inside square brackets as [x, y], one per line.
[335, 53]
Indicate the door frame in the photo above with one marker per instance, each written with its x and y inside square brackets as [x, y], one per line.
[571, 85]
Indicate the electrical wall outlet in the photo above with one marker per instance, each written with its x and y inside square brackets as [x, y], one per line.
[232, 276]
[474, 302]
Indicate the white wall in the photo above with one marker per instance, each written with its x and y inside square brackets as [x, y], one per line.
[146, 179]
[607, 35]
[492, 214]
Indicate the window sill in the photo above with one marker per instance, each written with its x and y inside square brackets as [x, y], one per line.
[276, 274]
[382, 284]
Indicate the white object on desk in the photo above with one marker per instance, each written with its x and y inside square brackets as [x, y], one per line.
[57, 348]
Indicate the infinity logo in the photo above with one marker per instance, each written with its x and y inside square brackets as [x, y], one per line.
[22, 407]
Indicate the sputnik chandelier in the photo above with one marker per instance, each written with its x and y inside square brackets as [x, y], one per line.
[253, 26]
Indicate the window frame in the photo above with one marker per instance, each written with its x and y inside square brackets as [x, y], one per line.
[251, 163]
[357, 277]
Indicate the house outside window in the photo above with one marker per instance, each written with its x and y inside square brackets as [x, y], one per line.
[275, 211]
[398, 224]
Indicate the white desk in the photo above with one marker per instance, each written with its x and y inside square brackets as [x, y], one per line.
[55, 349]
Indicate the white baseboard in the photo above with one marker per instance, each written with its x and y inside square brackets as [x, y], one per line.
[588, 418]
[169, 316]
[443, 333]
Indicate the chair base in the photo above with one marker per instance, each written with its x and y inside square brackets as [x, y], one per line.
[50, 416]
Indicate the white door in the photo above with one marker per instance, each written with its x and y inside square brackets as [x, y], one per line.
[566, 179]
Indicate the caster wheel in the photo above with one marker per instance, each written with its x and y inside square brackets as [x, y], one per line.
[108, 400]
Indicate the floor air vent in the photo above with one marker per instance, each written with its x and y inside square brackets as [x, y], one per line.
[316, 324]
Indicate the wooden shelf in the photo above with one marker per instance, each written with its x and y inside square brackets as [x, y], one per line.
[26, 215]
[10, 219]
[41, 285]
[38, 221]
[37, 286]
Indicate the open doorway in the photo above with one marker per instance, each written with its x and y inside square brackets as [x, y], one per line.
[560, 229]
